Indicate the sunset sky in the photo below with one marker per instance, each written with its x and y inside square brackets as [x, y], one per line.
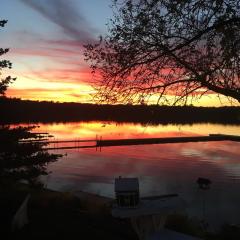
[46, 40]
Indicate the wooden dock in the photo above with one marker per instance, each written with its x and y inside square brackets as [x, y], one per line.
[70, 147]
[58, 141]
[98, 143]
[142, 141]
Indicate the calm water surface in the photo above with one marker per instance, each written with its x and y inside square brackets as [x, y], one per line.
[161, 168]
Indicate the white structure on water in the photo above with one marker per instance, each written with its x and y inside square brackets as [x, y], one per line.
[147, 215]
[127, 192]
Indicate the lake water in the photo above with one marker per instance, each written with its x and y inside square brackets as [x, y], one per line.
[161, 168]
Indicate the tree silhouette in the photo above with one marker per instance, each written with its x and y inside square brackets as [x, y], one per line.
[4, 82]
[174, 50]
[20, 160]
[22, 156]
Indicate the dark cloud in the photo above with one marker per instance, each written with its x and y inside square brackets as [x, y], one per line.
[65, 15]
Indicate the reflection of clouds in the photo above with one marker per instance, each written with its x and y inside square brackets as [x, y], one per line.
[209, 156]
[191, 152]
[233, 170]
[124, 130]
[158, 173]
[223, 152]
[161, 168]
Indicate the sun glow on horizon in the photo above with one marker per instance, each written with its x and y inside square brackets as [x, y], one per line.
[40, 90]
[75, 85]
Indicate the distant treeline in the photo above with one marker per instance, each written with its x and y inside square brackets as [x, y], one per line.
[25, 111]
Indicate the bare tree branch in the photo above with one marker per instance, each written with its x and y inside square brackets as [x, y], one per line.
[164, 48]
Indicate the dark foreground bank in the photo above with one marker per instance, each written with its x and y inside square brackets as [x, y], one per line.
[60, 215]
[63, 215]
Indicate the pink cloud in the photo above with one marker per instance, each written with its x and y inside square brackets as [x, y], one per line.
[72, 75]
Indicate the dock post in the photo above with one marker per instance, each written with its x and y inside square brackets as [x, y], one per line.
[100, 143]
[96, 142]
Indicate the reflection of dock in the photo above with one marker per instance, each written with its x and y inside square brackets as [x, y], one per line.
[98, 143]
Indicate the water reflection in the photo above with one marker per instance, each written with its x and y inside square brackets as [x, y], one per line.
[161, 169]
[109, 130]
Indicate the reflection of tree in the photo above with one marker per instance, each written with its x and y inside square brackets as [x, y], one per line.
[182, 49]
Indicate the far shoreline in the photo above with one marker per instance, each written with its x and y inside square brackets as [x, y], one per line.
[26, 111]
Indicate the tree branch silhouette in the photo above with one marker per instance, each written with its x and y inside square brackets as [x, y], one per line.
[153, 44]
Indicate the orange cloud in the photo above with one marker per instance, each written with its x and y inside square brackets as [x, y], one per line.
[80, 93]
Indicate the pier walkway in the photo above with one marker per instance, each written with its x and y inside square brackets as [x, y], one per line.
[99, 142]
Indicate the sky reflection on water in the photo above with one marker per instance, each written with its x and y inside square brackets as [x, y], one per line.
[112, 130]
[161, 168]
